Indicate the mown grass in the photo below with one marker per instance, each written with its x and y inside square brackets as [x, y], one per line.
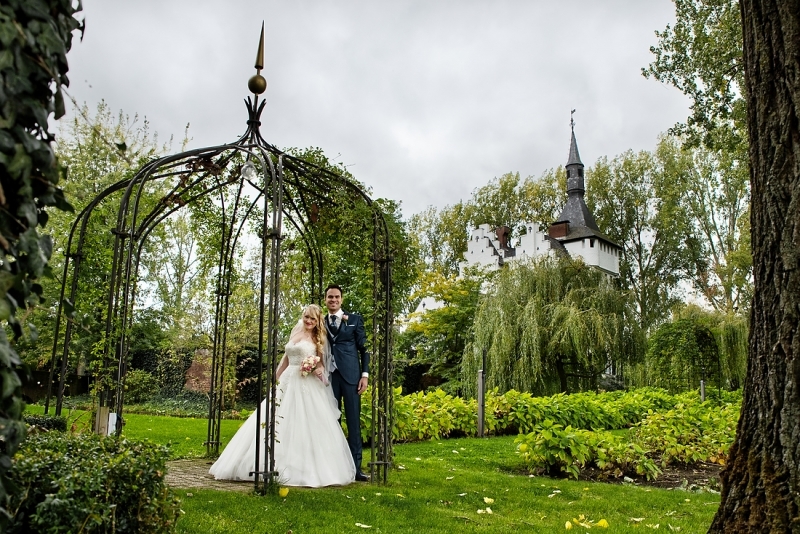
[437, 486]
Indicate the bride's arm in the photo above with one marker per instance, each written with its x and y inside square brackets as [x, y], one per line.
[281, 367]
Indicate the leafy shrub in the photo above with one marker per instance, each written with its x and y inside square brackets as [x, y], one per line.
[48, 422]
[555, 449]
[618, 457]
[691, 432]
[90, 483]
[139, 386]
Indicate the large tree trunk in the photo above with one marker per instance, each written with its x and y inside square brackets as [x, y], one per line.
[761, 485]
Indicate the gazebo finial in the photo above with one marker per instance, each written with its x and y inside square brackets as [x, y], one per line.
[257, 83]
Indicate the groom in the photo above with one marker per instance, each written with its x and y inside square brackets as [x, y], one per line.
[348, 342]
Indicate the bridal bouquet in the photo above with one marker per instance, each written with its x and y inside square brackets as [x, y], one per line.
[308, 364]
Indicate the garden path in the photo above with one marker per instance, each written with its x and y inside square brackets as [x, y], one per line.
[193, 473]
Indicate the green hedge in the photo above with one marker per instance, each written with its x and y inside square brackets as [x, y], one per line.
[436, 414]
[48, 422]
[88, 483]
[691, 431]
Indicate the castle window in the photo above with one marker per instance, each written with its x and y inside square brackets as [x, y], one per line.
[591, 243]
[580, 173]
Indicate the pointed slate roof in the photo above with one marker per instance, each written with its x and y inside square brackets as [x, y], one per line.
[574, 157]
[575, 210]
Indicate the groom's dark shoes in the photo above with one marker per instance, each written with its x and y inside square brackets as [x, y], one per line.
[361, 477]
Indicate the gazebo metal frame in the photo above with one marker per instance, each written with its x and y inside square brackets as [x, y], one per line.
[290, 192]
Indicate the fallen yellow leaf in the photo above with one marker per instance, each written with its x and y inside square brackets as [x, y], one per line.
[488, 500]
[283, 492]
[568, 525]
[602, 523]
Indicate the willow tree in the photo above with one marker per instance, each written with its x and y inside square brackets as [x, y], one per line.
[551, 322]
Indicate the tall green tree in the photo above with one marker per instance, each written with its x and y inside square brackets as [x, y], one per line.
[35, 38]
[638, 201]
[717, 199]
[99, 148]
[509, 200]
[761, 484]
[701, 55]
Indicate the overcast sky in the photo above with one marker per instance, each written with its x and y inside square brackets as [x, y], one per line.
[423, 100]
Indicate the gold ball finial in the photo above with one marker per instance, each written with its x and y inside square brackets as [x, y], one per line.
[257, 84]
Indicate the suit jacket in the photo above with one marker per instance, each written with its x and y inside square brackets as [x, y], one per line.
[349, 348]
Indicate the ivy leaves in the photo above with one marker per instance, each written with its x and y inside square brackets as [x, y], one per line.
[35, 36]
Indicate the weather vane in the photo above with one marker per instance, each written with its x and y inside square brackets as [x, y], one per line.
[571, 117]
[257, 83]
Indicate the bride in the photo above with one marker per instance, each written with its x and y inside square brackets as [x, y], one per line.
[310, 447]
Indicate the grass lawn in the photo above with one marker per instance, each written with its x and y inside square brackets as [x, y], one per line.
[438, 486]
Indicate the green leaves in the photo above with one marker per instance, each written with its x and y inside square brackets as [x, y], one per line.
[35, 36]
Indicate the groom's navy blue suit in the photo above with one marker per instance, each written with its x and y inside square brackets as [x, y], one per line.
[349, 348]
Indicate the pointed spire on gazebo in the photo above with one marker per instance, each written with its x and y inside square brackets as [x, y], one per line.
[257, 83]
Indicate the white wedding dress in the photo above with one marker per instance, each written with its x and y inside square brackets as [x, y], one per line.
[310, 447]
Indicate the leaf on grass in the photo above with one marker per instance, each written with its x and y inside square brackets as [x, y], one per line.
[654, 527]
[568, 525]
[489, 510]
[362, 525]
[602, 523]
[488, 500]
[462, 494]
[636, 519]
[401, 495]
[449, 478]
[673, 529]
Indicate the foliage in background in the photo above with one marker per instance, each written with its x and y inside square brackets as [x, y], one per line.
[678, 350]
[139, 386]
[35, 38]
[441, 234]
[435, 339]
[90, 483]
[701, 55]
[637, 200]
[550, 323]
[47, 422]
[99, 148]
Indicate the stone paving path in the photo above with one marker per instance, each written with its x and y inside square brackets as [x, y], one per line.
[193, 473]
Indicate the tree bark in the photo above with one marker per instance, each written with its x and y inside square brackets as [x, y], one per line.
[761, 485]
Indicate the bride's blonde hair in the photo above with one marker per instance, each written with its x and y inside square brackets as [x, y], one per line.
[319, 332]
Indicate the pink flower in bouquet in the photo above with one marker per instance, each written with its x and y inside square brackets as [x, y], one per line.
[308, 364]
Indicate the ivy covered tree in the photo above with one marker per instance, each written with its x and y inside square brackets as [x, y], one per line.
[35, 38]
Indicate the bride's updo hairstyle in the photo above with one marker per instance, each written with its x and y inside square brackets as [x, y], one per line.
[319, 333]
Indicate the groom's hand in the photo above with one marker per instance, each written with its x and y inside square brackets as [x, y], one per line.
[362, 385]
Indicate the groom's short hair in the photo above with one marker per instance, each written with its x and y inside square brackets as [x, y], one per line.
[333, 286]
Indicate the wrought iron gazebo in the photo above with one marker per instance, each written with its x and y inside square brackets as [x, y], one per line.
[245, 180]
